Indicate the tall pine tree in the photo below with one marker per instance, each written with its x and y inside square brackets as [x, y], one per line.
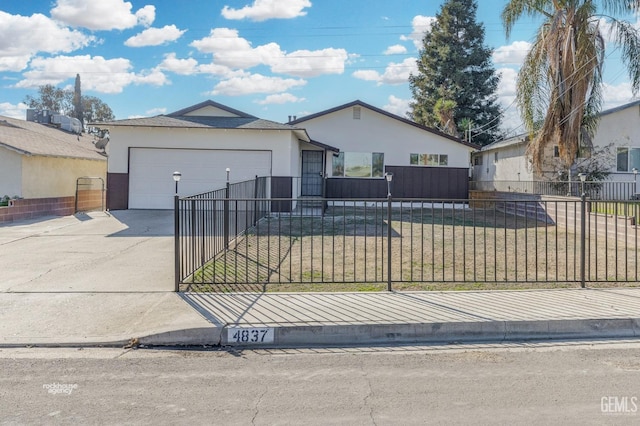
[77, 101]
[455, 65]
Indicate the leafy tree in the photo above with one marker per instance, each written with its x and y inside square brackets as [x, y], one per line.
[559, 88]
[455, 65]
[51, 98]
[89, 110]
[95, 111]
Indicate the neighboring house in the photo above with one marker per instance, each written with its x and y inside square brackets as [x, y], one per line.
[200, 142]
[425, 162]
[618, 135]
[503, 160]
[39, 161]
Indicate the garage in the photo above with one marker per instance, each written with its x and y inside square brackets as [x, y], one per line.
[151, 184]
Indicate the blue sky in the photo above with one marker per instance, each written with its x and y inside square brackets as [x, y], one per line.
[270, 58]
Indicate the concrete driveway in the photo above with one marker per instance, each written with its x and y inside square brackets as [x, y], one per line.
[119, 251]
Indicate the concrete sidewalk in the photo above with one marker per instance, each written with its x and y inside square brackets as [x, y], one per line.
[311, 319]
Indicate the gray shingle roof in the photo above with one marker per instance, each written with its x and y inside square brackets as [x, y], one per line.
[202, 122]
[31, 138]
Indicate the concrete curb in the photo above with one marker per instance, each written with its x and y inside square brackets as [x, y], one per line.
[296, 336]
[375, 334]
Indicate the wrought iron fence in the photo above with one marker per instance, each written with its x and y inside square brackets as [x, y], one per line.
[205, 223]
[390, 241]
[595, 190]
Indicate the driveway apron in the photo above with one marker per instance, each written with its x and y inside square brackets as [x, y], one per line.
[118, 251]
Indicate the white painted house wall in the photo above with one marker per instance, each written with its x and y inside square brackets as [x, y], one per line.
[283, 144]
[375, 132]
[620, 128]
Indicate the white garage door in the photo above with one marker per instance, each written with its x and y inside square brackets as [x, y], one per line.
[151, 184]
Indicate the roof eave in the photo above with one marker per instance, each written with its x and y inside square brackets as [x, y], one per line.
[387, 114]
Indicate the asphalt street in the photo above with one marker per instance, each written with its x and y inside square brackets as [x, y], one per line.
[572, 382]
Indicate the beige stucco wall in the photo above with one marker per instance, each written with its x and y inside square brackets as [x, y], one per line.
[375, 132]
[282, 143]
[10, 173]
[44, 177]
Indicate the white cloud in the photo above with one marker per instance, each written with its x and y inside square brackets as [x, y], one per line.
[14, 111]
[615, 95]
[231, 50]
[255, 83]
[21, 37]
[97, 73]
[506, 99]
[512, 54]
[398, 73]
[307, 63]
[14, 63]
[155, 36]
[156, 111]
[179, 66]
[146, 15]
[367, 75]
[395, 73]
[154, 77]
[507, 84]
[396, 49]
[262, 10]
[280, 98]
[421, 24]
[102, 15]
[397, 106]
[221, 71]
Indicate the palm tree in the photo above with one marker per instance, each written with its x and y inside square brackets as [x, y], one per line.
[444, 110]
[559, 87]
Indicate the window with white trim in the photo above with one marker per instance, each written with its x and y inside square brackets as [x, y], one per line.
[627, 159]
[428, 159]
[358, 164]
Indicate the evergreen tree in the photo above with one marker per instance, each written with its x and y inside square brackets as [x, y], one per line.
[455, 65]
[77, 101]
[89, 110]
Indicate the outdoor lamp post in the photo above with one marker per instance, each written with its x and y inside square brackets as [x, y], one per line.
[635, 174]
[228, 170]
[176, 177]
[583, 179]
[583, 227]
[389, 177]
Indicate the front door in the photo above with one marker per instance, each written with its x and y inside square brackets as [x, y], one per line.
[312, 166]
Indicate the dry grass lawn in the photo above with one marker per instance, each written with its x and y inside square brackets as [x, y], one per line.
[346, 250]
